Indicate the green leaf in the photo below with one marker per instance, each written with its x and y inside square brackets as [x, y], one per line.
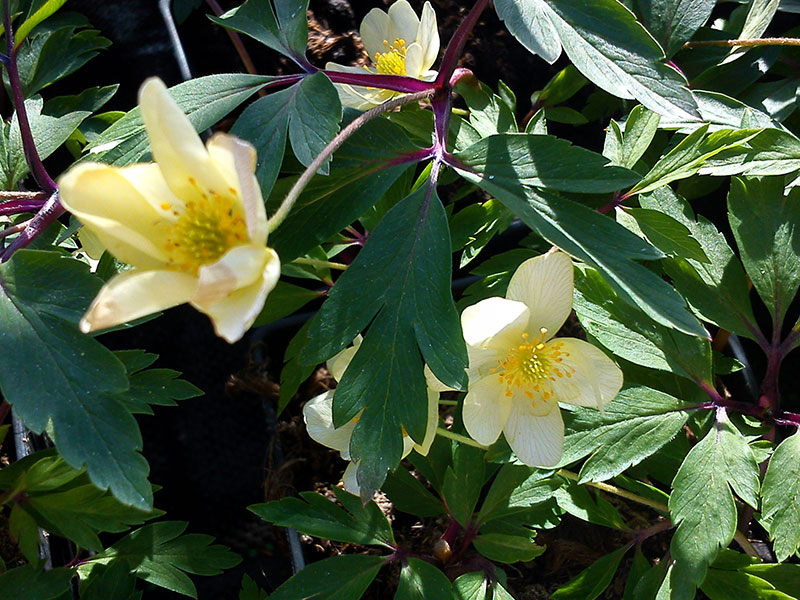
[285, 299]
[780, 509]
[668, 235]
[409, 495]
[463, 483]
[577, 501]
[400, 283]
[488, 114]
[152, 387]
[759, 16]
[724, 585]
[471, 586]
[720, 112]
[70, 379]
[343, 577]
[640, 128]
[251, 591]
[632, 335]
[90, 99]
[771, 152]
[542, 161]
[674, 22]
[309, 111]
[364, 168]
[113, 582]
[702, 506]
[766, 225]
[293, 373]
[283, 29]
[205, 100]
[639, 567]
[576, 229]
[592, 581]
[508, 548]
[718, 289]
[605, 42]
[316, 515]
[45, 10]
[30, 583]
[785, 577]
[159, 554]
[689, 156]
[420, 580]
[515, 489]
[635, 425]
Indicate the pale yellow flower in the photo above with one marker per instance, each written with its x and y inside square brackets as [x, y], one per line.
[398, 43]
[518, 373]
[318, 415]
[192, 224]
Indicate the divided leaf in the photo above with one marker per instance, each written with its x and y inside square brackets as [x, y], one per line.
[780, 510]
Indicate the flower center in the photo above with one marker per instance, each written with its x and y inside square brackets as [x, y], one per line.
[211, 224]
[532, 366]
[393, 61]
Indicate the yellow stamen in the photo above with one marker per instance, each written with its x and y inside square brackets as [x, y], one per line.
[393, 61]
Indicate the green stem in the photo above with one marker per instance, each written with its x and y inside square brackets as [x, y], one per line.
[459, 438]
[333, 146]
[612, 489]
[777, 41]
[319, 263]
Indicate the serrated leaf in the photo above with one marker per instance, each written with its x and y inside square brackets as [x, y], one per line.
[592, 581]
[635, 425]
[400, 282]
[283, 29]
[205, 100]
[766, 225]
[781, 488]
[316, 515]
[605, 42]
[42, 12]
[785, 577]
[309, 112]
[718, 290]
[488, 114]
[702, 506]
[70, 379]
[420, 580]
[640, 128]
[159, 554]
[364, 168]
[463, 483]
[770, 152]
[723, 585]
[632, 335]
[667, 234]
[251, 591]
[152, 387]
[30, 583]
[409, 495]
[516, 488]
[577, 501]
[674, 22]
[719, 112]
[343, 577]
[576, 229]
[508, 548]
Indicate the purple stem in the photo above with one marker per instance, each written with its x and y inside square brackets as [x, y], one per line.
[31, 155]
[396, 83]
[51, 210]
[19, 206]
[457, 42]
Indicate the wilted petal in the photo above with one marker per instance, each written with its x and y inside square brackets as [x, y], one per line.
[428, 36]
[545, 284]
[233, 315]
[318, 415]
[588, 376]
[537, 440]
[122, 207]
[403, 22]
[136, 293]
[374, 30]
[177, 148]
[486, 410]
[494, 323]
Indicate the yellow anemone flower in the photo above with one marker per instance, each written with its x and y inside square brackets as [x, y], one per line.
[192, 224]
[318, 415]
[518, 373]
[398, 43]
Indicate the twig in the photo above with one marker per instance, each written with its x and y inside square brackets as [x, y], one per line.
[774, 41]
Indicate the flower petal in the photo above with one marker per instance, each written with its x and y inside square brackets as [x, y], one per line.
[356, 96]
[136, 293]
[433, 423]
[433, 382]
[318, 415]
[545, 284]
[537, 440]
[177, 148]
[238, 159]
[339, 362]
[594, 380]
[413, 61]
[428, 37]
[114, 204]
[238, 268]
[403, 22]
[495, 323]
[486, 410]
[374, 31]
[233, 315]
[350, 479]
[482, 361]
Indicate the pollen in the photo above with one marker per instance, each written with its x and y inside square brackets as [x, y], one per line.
[210, 225]
[393, 60]
[532, 367]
